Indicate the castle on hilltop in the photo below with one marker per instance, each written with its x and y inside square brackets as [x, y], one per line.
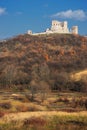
[58, 27]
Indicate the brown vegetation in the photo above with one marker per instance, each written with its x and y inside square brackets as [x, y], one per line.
[47, 58]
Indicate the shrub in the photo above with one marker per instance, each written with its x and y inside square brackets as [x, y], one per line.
[33, 108]
[23, 108]
[35, 121]
[6, 105]
[86, 103]
[70, 110]
[81, 102]
[20, 98]
[65, 100]
[1, 114]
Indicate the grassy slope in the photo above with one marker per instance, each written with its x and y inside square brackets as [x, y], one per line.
[79, 75]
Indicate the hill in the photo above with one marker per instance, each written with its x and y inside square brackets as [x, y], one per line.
[44, 59]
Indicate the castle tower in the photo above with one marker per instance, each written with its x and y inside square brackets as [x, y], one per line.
[74, 30]
[29, 32]
[65, 24]
[65, 27]
[59, 27]
[55, 25]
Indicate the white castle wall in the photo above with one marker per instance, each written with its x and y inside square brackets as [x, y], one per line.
[58, 27]
[74, 30]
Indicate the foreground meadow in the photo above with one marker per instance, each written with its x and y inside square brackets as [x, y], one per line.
[57, 111]
[44, 121]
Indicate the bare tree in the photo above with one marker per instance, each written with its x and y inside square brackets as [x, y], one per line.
[9, 74]
[40, 75]
[43, 89]
[33, 89]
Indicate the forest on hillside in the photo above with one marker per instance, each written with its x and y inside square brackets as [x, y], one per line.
[43, 62]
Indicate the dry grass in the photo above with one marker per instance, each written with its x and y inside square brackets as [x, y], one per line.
[44, 121]
[69, 102]
[26, 115]
[79, 75]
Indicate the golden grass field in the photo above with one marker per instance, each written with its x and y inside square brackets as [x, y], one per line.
[44, 121]
[47, 114]
[19, 113]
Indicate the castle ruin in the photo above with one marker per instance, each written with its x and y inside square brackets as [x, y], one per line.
[58, 27]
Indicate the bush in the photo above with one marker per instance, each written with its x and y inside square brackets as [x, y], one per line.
[23, 108]
[79, 86]
[81, 102]
[86, 103]
[20, 98]
[35, 121]
[6, 105]
[1, 114]
[65, 100]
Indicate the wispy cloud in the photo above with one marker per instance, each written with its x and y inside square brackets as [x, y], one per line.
[72, 14]
[2, 11]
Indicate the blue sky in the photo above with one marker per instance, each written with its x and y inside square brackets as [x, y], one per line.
[18, 16]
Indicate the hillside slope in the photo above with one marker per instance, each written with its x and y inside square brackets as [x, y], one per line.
[50, 58]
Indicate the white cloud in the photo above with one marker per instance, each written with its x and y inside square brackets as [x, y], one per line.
[76, 14]
[2, 11]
